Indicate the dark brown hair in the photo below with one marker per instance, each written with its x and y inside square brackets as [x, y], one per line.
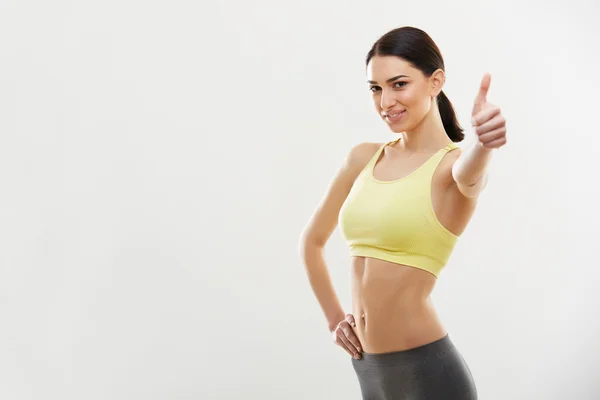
[416, 47]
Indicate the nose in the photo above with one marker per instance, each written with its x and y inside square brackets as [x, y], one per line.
[387, 100]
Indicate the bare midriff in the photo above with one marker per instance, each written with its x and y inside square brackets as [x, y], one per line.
[392, 306]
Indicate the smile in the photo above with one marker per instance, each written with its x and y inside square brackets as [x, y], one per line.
[395, 117]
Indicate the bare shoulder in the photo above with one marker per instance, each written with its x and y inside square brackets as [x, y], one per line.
[324, 218]
[445, 167]
[361, 154]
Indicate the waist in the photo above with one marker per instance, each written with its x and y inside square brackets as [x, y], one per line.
[382, 331]
[392, 306]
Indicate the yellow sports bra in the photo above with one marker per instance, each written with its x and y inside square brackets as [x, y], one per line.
[394, 220]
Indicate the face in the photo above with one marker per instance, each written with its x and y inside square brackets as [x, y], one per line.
[402, 95]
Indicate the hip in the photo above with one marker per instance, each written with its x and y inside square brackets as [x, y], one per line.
[436, 370]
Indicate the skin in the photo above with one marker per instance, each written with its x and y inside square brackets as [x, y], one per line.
[391, 304]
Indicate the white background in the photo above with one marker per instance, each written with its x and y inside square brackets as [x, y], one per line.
[159, 160]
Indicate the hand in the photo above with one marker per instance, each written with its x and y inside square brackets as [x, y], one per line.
[344, 336]
[488, 121]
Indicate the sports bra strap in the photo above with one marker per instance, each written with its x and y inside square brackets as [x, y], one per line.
[451, 146]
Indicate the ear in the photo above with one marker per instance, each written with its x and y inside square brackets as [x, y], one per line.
[437, 80]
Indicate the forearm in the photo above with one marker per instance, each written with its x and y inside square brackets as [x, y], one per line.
[472, 164]
[320, 282]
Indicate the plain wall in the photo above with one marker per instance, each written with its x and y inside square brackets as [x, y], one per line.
[159, 160]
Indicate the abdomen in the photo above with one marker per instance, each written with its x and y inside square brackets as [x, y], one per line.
[392, 306]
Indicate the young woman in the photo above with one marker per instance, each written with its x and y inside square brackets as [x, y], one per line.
[401, 206]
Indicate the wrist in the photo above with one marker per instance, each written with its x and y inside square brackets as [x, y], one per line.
[480, 149]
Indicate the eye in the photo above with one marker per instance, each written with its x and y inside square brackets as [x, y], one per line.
[400, 85]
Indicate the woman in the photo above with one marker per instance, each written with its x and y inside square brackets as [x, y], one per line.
[402, 206]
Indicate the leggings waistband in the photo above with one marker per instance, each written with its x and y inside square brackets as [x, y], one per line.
[420, 354]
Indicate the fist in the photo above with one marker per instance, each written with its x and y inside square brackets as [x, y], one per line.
[487, 119]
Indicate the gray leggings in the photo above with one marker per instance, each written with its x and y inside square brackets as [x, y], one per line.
[434, 371]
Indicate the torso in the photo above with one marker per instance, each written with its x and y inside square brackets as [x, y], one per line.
[391, 302]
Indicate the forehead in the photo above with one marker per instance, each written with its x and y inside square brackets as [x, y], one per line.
[381, 68]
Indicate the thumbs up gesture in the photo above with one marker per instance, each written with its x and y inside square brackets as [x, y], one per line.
[487, 120]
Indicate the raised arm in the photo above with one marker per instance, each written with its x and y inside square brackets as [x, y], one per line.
[470, 170]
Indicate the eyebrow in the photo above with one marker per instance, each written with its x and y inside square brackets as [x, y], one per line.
[391, 79]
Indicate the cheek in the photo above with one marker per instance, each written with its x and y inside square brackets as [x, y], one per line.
[417, 102]
[409, 98]
[376, 102]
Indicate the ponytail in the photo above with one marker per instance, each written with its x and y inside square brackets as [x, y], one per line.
[451, 125]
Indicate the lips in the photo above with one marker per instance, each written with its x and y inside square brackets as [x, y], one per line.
[395, 116]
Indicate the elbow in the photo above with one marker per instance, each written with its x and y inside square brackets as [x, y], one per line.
[463, 179]
[472, 190]
[468, 192]
[308, 243]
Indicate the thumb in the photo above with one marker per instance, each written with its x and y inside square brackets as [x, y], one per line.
[483, 89]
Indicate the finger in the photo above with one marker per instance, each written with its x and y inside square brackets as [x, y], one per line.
[497, 122]
[350, 333]
[350, 319]
[485, 115]
[350, 347]
[340, 342]
[494, 144]
[342, 332]
[352, 338]
[346, 331]
[492, 135]
[483, 89]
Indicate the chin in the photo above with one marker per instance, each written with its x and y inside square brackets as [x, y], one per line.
[397, 128]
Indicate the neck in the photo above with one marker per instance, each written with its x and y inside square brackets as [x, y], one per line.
[428, 136]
